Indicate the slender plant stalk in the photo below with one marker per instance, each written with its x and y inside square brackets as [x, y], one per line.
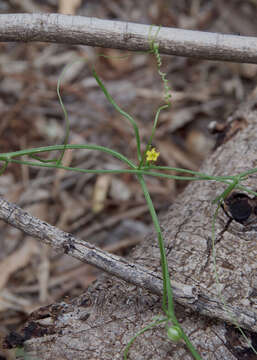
[28, 152]
[167, 289]
[122, 112]
[66, 118]
[142, 162]
[140, 332]
[101, 171]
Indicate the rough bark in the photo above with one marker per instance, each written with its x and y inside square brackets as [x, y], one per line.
[99, 324]
[127, 36]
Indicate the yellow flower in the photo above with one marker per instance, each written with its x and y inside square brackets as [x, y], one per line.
[152, 155]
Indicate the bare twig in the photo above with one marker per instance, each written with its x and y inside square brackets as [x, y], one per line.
[66, 29]
[190, 296]
[86, 252]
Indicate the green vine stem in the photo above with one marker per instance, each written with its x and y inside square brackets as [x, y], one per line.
[140, 332]
[167, 289]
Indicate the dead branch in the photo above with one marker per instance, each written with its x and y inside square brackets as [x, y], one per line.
[67, 29]
[86, 252]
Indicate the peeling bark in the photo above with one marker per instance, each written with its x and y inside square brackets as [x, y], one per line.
[99, 324]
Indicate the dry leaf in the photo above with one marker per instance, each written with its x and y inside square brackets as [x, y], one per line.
[170, 151]
[68, 6]
[10, 301]
[198, 143]
[43, 273]
[117, 60]
[66, 161]
[119, 190]
[100, 192]
[17, 260]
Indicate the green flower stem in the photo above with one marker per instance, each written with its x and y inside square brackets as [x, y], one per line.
[76, 169]
[247, 173]
[152, 134]
[227, 191]
[38, 158]
[148, 327]
[66, 117]
[167, 290]
[203, 176]
[166, 283]
[2, 170]
[50, 165]
[186, 171]
[243, 188]
[163, 107]
[122, 112]
[93, 171]
[10, 155]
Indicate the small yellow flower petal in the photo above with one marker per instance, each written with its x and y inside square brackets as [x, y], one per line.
[152, 155]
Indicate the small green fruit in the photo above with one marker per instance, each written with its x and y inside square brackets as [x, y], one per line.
[174, 333]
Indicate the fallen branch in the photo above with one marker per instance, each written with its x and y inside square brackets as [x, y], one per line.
[88, 253]
[67, 29]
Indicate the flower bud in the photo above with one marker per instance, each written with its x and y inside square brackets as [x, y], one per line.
[174, 333]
